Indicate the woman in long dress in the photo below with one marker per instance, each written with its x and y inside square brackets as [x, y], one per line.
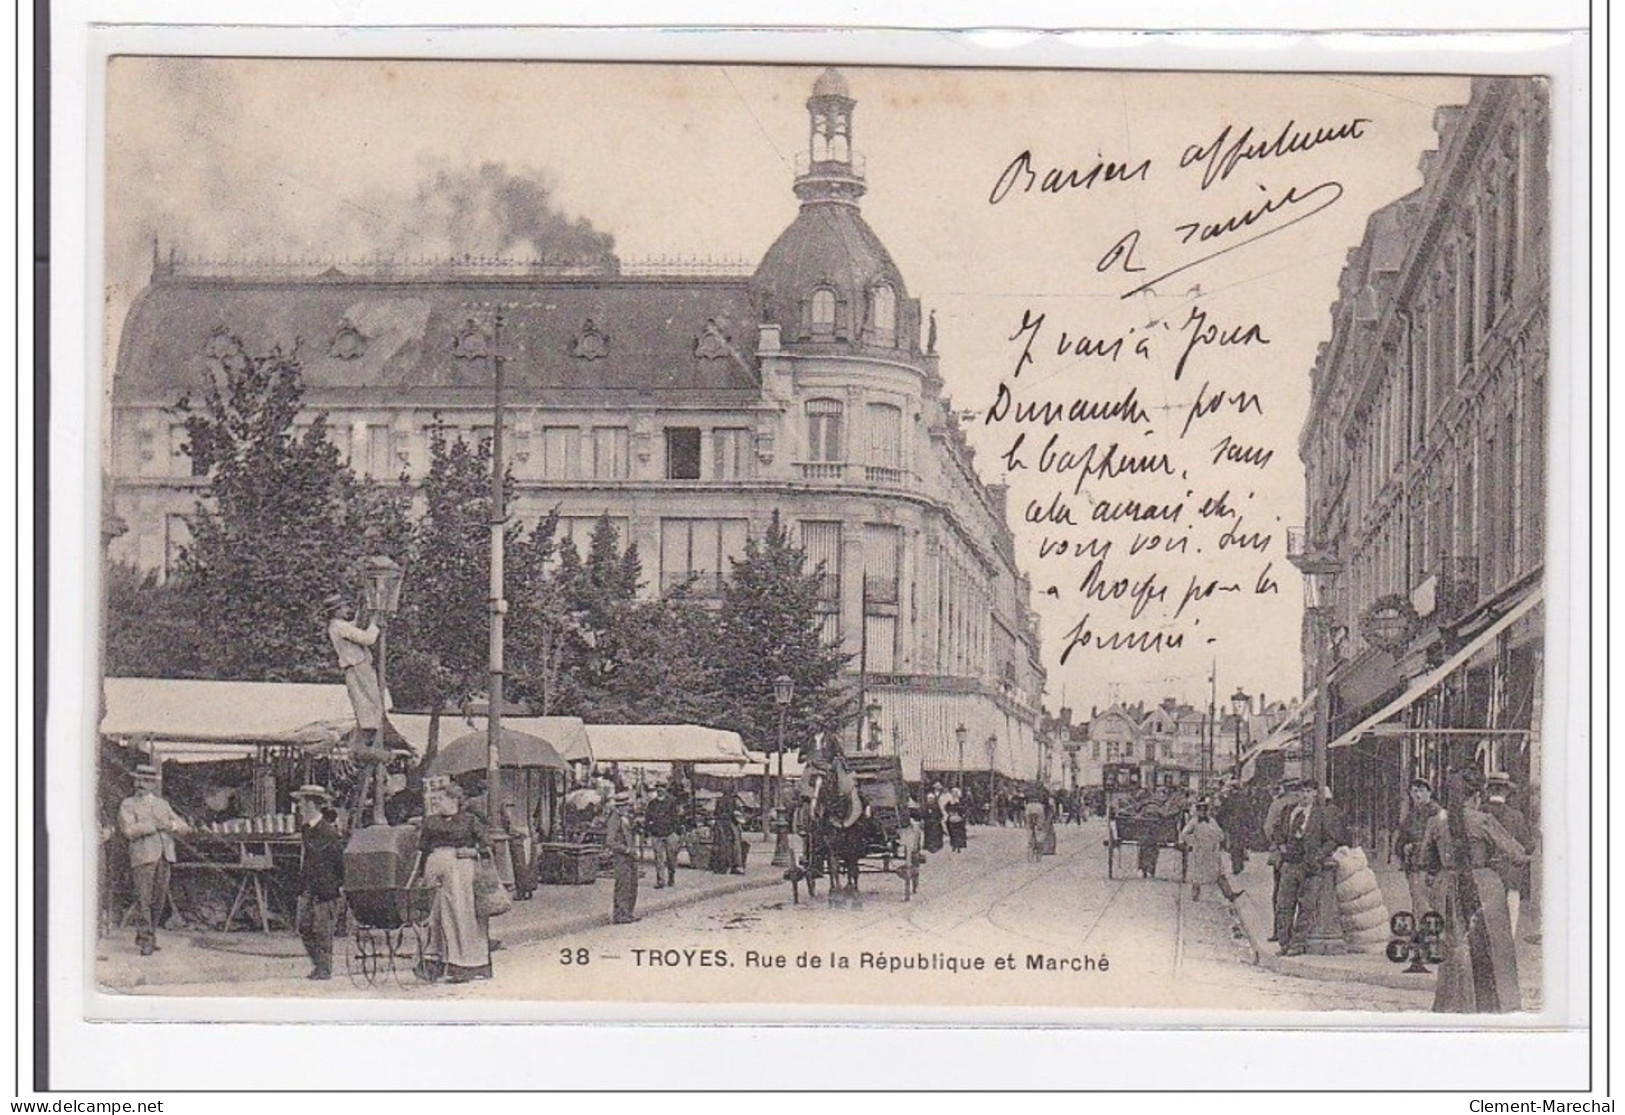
[451, 842]
[1480, 970]
[931, 822]
[953, 819]
[725, 839]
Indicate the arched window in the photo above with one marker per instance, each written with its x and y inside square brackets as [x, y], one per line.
[823, 312]
[824, 430]
[883, 314]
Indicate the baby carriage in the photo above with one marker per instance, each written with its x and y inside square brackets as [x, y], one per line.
[389, 910]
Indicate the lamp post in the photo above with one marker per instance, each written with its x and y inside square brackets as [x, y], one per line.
[481, 338]
[1243, 705]
[1320, 569]
[959, 734]
[382, 595]
[784, 691]
[992, 752]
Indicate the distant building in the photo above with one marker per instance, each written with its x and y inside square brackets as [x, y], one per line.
[687, 407]
[1425, 459]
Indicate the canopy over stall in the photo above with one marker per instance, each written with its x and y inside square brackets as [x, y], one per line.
[204, 720]
[665, 743]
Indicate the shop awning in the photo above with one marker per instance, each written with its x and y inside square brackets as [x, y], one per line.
[185, 710]
[664, 743]
[1286, 733]
[1428, 681]
[566, 734]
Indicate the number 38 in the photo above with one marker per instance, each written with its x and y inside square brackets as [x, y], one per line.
[575, 957]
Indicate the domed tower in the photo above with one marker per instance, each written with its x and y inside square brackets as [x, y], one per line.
[828, 282]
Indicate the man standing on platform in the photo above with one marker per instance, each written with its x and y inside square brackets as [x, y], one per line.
[660, 822]
[321, 878]
[150, 825]
[622, 845]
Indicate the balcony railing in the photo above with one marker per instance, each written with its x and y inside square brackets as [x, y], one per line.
[805, 165]
[823, 470]
[1310, 555]
[841, 472]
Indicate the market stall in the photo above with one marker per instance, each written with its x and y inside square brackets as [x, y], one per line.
[229, 755]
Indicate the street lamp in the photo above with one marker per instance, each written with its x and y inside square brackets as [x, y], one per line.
[784, 691]
[381, 593]
[1243, 704]
[872, 712]
[959, 734]
[481, 339]
[992, 750]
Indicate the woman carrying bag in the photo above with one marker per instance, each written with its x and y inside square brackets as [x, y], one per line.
[452, 843]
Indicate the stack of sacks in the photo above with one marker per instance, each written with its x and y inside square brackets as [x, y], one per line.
[1359, 902]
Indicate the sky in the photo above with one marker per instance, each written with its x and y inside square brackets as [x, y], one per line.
[335, 160]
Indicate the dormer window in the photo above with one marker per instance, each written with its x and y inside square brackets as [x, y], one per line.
[883, 314]
[823, 313]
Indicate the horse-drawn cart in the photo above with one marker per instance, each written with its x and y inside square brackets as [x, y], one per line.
[1143, 830]
[852, 813]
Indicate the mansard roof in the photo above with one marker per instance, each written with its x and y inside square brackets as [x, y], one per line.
[600, 333]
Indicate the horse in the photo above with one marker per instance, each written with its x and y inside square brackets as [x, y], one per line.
[834, 839]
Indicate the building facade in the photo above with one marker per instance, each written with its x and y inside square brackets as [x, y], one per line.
[1425, 459]
[688, 408]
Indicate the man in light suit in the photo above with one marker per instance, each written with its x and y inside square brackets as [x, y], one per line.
[149, 824]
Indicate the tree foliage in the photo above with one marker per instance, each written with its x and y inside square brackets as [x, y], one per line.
[281, 525]
[770, 625]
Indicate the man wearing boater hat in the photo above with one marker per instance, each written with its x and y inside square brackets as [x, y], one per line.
[149, 824]
[622, 845]
[321, 877]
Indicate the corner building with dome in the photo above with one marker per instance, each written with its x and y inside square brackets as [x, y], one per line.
[688, 408]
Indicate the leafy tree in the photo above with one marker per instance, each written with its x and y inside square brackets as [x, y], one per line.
[601, 595]
[770, 625]
[538, 620]
[152, 630]
[279, 528]
[440, 653]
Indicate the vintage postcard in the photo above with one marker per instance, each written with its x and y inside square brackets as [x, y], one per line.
[839, 536]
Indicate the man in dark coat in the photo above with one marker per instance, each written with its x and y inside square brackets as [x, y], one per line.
[321, 878]
[662, 823]
[1513, 874]
[1231, 816]
[1307, 832]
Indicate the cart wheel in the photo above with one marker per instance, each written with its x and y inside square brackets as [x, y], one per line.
[364, 958]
